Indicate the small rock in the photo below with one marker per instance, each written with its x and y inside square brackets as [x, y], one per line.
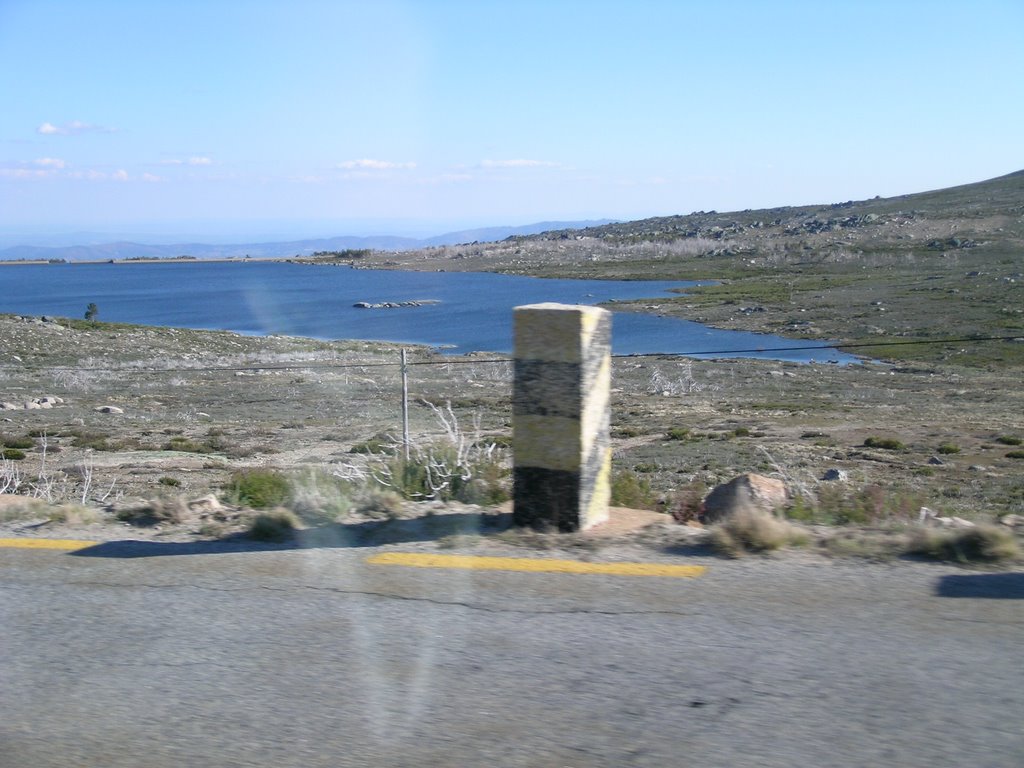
[108, 409]
[1012, 521]
[206, 504]
[839, 475]
[936, 461]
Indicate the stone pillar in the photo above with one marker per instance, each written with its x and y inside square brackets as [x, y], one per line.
[561, 414]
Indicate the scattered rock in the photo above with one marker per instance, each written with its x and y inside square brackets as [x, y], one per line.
[932, 518]
[395, 304]
[839, 475]
[749, 492]
[935, 461]
[206, 505]
[108, 409]
[1012, 521]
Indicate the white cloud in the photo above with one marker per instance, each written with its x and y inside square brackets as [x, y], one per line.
[49, 162]
[119, 175]
[448, 178]
[194, 161]
[518, 163]
[73, 128]
[24, 173]
[89, 175]
[151, 177]
[374, 165]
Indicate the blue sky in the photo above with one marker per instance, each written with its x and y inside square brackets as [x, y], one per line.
[241, 120]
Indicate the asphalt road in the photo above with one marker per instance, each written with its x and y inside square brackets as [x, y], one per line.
[316, 658]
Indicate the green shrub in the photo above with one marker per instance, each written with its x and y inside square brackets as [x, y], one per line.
[869, 505]
[741, 432]
[1015, 455]
[947, 449]
[258, 488]
[801, 509]
[379, 443]
[171, 482]
[677, 433]
[276, 525]
[183, 444]
[631, 490]
[646, 467]
[1009, 440]
[886, 443]
[97, 441]
[12, 454]
[24, 443]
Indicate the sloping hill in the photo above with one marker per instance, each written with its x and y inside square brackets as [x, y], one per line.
[940, 264]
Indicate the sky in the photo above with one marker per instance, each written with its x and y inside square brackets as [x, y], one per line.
[225, 120]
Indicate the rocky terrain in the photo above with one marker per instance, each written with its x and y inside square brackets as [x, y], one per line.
[149, 427]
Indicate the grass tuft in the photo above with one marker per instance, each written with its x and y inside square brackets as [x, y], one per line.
[258, 488]
[276, 525]
[745, 532]
[982, 543]
[886, 443]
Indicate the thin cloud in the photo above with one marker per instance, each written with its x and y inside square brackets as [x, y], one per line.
[25, 173]
[193, 161]
[151, 177]
[367, 164]
[74, 128]
[518, 163]
[41, 168]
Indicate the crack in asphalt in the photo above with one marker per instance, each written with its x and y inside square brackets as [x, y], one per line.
[367, 593]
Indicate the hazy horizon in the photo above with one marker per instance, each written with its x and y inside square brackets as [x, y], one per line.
[257, 121]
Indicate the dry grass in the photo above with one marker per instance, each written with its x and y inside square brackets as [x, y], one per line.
[161, 510]
[982, 543]
[745, 532]
[276, 525]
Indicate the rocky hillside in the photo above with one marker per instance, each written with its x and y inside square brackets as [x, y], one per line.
[921, 267]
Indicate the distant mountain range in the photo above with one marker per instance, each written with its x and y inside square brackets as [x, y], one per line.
[128, 250]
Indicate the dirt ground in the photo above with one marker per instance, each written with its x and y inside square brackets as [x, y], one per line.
[108, 416]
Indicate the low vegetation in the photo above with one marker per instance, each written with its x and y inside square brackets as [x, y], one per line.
[745, 532]
[982, 543]
[931, 418]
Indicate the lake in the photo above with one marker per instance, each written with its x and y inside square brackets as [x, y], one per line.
[473, 313]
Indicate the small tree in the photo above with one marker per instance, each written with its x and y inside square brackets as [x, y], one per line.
[91, 311]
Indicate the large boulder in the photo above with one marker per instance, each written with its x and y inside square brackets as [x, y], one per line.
[748, 493]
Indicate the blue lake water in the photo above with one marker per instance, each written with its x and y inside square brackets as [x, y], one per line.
[261, 298]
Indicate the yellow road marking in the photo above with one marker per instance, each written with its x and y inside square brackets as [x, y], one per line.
[475, 562]
[68, 545]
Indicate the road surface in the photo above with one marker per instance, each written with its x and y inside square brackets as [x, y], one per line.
[117, 656]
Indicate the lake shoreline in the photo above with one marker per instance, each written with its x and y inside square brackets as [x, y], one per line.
[473, 310]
